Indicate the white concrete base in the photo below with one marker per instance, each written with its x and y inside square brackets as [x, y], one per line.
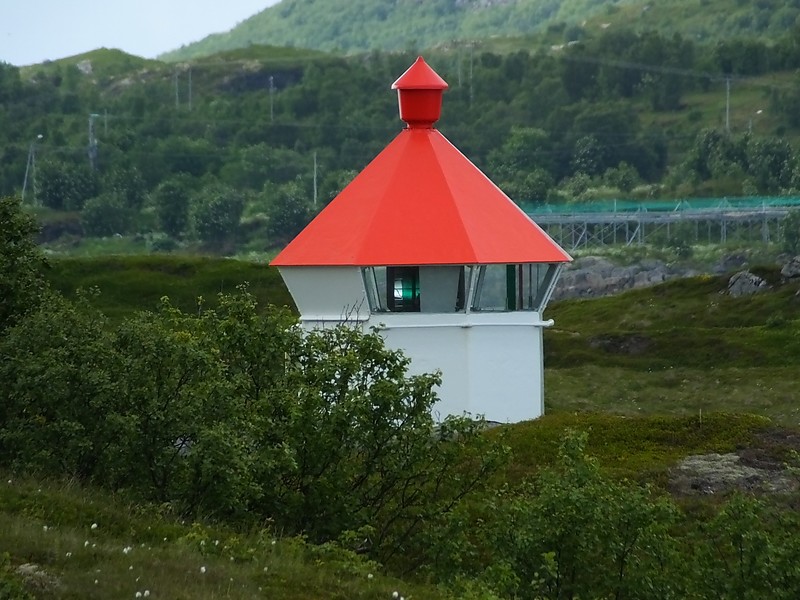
[491, 363]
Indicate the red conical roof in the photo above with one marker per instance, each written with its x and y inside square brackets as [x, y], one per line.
[420, 202]
[420, 76]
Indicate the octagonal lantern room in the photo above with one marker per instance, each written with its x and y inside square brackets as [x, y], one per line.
[422, 245]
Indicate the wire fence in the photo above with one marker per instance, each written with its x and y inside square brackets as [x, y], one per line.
[744, 203]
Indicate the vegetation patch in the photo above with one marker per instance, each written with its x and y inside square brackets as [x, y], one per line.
[130, 283]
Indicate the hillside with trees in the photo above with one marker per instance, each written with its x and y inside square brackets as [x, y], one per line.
[352, 26]
[239, 150]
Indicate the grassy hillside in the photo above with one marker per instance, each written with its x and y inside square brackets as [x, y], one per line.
[88, 544]
[677, 349]
[127, 284]
[362, 25]
[651, 375]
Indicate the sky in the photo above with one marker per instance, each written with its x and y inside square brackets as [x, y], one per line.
[32, 31]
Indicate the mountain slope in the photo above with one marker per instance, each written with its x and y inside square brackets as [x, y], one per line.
[363, 25]
[360, 25]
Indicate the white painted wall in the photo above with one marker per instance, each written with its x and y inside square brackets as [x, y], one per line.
[491, 363]
[327, 294]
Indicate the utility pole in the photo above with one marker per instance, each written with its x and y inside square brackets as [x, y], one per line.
[727, 104]
[471, 48]
[315, 179]
[190, 89]
[92, 142]
[271, 100]
[30, 168]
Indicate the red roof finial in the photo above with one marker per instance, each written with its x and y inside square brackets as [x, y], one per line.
[419, 92]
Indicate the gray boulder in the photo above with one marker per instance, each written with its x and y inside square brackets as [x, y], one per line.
[745, 283]
[791, 269]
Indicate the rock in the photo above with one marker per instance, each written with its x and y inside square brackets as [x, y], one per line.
[745, 283]
[723, 473]
[791, 269]
[37, 578]
[597, 276]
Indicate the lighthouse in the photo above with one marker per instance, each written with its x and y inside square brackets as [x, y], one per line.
[422, 246]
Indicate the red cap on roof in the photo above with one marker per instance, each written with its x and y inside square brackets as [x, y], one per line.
[420, 202]
[419, 93]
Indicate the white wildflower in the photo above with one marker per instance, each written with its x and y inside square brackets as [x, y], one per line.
[395, 595]
[146, 593]
[138, 594]
[69, 554]
[370, 575]
[94, 526]
[202, 569]
[86, 543]
[95, 581]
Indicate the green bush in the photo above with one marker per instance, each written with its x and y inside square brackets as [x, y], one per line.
[233, 412]
[22, 284]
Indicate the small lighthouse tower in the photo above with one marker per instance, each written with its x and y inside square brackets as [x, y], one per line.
[422, 245]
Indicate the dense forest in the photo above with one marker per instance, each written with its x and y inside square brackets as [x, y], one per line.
[242, 148]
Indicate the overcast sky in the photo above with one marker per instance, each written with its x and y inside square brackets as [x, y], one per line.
[32, 31]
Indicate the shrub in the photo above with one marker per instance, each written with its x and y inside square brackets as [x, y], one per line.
[21, 283]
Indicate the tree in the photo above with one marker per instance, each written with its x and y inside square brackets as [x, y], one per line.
[289, 212]
[171, 200]
[573, 533]
[60, 408]
[22, 284]
[107, 214]
[127, 183]
[64, 186]
[215, 214]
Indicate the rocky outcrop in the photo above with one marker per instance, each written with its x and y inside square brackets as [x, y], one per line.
[791, 269]
[593, 276]
[745, 283]
[724, 473]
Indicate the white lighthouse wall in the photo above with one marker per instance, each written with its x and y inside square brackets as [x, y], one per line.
[325, 294]
[491, 364]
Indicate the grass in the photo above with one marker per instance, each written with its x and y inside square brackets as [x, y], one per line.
[134, 548]
[131, 283]
[684, 392]
[638, 447]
